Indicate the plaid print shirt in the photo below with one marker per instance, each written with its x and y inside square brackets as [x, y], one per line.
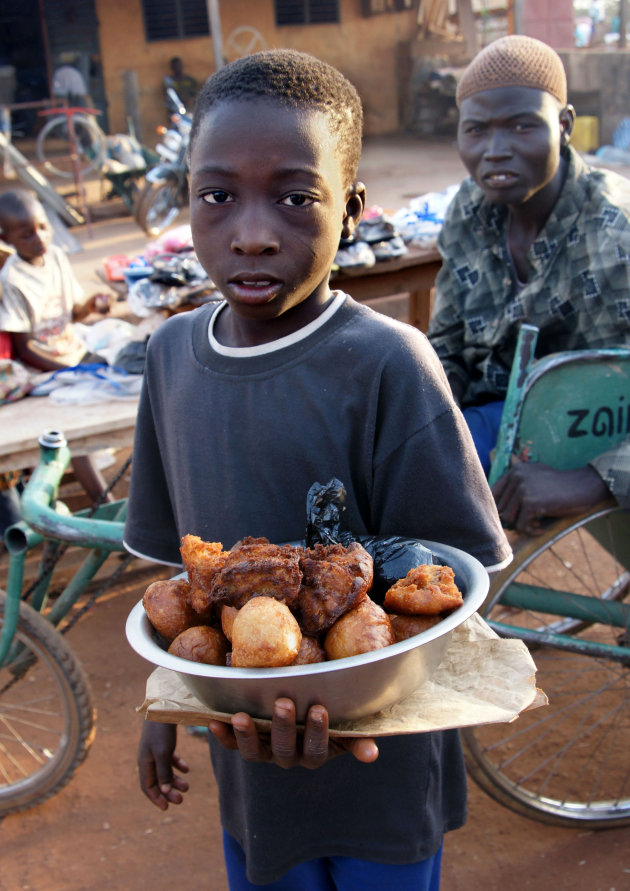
[577, 293]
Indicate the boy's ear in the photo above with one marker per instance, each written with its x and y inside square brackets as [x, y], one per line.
[355, 205]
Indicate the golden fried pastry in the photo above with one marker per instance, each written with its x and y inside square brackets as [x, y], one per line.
[425, 591]
[228, 614]
[202, 561]
[265, 634]
[201, 643]
[328, 591]
[364, 628]
[166, 605]
[405, 627]
[256, 567]
[310, 651]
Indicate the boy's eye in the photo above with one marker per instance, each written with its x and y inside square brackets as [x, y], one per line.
[217, 196]
[297, 200]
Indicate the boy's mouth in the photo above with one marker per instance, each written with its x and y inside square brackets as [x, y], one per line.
[254, 288]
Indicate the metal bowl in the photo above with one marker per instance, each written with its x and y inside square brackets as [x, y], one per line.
[349, 688]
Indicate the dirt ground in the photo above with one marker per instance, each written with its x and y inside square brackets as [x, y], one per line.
[99, 832]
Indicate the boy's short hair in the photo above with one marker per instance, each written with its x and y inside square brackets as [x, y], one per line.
[297, 80]
[15, 204]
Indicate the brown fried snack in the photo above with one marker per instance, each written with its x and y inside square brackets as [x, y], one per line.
[364, 628]
[201, 643]
[334, 580]
[405, 627]
[426, 591]
[168, 610]
[228, 614]
[265, 634]
[310, 651]
[202, 561]
[255, 567]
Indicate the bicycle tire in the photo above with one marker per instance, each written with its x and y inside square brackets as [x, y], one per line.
[566, 764]
[46, 715]
[53, 146]
[158, 205]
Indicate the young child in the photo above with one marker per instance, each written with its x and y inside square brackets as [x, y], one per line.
[41, 296]
[244, 407]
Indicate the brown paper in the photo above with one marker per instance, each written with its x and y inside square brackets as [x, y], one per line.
[482, 679]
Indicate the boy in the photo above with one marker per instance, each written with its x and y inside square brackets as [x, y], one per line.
[40, 297]
[533, 236]
[244, 408]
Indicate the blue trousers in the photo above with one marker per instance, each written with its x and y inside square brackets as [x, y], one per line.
[484, 422]
[337, 874]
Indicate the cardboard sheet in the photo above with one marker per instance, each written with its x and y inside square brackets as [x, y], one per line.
[482, 679]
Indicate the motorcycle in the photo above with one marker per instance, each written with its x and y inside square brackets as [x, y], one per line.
[165, 192]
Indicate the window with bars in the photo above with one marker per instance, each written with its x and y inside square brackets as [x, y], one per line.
[306, 12]
[175, 19]
[374, 7]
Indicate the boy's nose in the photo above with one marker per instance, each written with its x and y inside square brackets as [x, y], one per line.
[253, 233]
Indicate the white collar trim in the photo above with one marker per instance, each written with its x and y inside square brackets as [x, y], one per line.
[282, 342]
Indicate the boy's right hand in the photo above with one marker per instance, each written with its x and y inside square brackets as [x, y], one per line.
[156, 759]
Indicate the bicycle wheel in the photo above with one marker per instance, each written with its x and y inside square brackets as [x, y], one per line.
[46, 714]
[158, 205]
[567, 763]
[53, 145]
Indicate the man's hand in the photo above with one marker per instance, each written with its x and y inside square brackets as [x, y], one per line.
[156, 759]
[287, 746]
[527, 493]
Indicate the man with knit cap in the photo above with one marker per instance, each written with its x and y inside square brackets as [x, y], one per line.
[534, 236]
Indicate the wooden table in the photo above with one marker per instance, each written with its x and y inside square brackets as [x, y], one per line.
[87, 428]
[414, 273]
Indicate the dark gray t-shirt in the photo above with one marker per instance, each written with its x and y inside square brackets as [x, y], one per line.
[228, 442]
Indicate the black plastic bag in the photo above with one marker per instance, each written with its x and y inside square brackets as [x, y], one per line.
[393, 555]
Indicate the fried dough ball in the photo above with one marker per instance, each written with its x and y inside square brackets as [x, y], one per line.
[310, 651]
[256, 567]
[228, 614]
[426, 591]
[328, 591]
[201, 643]
[405, 627]
[355, 558]
[265, 634]
[202, 561]
[168, 610]
[364, 628]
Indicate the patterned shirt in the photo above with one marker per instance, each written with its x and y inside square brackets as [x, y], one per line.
[577, 292]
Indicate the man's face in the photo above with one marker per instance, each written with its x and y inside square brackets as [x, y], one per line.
[29, 233]
[509, 140]
[267, 205]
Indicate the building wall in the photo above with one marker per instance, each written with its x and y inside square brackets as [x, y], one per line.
[550, 21]
[365, 49]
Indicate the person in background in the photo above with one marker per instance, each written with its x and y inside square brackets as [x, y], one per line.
[40, 299]
[186, 86]
[534, 236]
[244, 406]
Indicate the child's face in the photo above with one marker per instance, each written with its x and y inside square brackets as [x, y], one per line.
[30, 234]
[268, 203]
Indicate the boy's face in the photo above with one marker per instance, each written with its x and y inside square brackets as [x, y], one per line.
[268, 203]
[509, 140]
[29, 233]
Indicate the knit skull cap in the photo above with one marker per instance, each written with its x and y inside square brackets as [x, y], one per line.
[515, 61]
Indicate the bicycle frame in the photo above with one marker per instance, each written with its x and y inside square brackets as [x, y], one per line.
[46, 519]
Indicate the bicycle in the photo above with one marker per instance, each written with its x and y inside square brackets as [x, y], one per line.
[567, 596]
[47, 719]
[71, 142]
